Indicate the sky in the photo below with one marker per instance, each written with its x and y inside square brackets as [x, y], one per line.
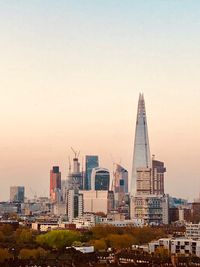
[70, 76]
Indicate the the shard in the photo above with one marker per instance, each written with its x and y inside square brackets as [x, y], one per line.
[141, 153]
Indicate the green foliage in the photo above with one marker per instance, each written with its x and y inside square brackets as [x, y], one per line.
[5, 254]
[58, 238]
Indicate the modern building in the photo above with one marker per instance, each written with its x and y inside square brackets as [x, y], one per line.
[193, 231]
[120, 179]
[152, 209]
[91, 161]
[100, 179]
[17, 194]
[147, 199]
[157, 182]
[196, 212]
[75, 178]
[143, 181]
[55, 184]
[141, 154]
[98, 201]
[74, 204]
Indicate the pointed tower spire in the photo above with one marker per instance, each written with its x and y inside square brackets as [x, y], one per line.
[141, 153]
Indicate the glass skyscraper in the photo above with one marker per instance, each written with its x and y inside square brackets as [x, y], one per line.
[91, 162]
[141, 153]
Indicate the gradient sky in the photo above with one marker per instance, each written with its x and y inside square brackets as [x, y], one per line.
[71, 73]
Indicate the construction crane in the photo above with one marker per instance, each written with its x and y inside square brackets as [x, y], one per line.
[76, 153]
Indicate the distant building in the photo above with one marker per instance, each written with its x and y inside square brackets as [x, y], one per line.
[141, 153]
[193, 231]
[74, 204]
[152, 209]
[120, 179]
[91, 162]
[143, 182]
[55, 184]
[100, 179]
[98, 201]
[157, 182]
[17, 194]
[196, 212]
[75, 178]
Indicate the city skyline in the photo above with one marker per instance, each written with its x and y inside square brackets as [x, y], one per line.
[71, 74]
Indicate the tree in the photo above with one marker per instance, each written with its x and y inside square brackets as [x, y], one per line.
[5, 254]
[58, 239]
[38, 253]
[120, 241]
[99, 244]
[23, 236]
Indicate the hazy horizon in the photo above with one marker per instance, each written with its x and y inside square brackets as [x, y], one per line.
[71, 73]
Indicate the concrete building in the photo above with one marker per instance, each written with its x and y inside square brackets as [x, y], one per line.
[143, 181]
[100, 179]
[98, 201]
[193, 231]
[55, 184]
[17, 194]
[91, 162]
[180, 246]
[74, 204]
[157, 181]
[75, 177]
[152, 209]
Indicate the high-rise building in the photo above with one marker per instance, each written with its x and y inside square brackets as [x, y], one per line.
[17, 194]
[55, 184]
[91, 162]
[141, 154]
[74, 204]
[75, 178]
[148, 201]
[158, 171]
[100, 179]
[120, 179]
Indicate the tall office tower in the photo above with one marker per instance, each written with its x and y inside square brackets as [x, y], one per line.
[100, 179]
[17, 194]
[141, 154]
[90, 163]
[75, 178]
[120, 179]
[158, 171]
[74, 204]
[55, 184]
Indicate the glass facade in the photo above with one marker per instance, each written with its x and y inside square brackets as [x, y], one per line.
[90, 163]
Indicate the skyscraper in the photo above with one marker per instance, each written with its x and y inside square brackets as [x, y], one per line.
[17, 194]
[55, 183]
[90, 163]
[141, 154]
[158, 171]
[100, 179]
[120, 179]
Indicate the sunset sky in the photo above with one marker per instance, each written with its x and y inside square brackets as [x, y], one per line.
[71, 73]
